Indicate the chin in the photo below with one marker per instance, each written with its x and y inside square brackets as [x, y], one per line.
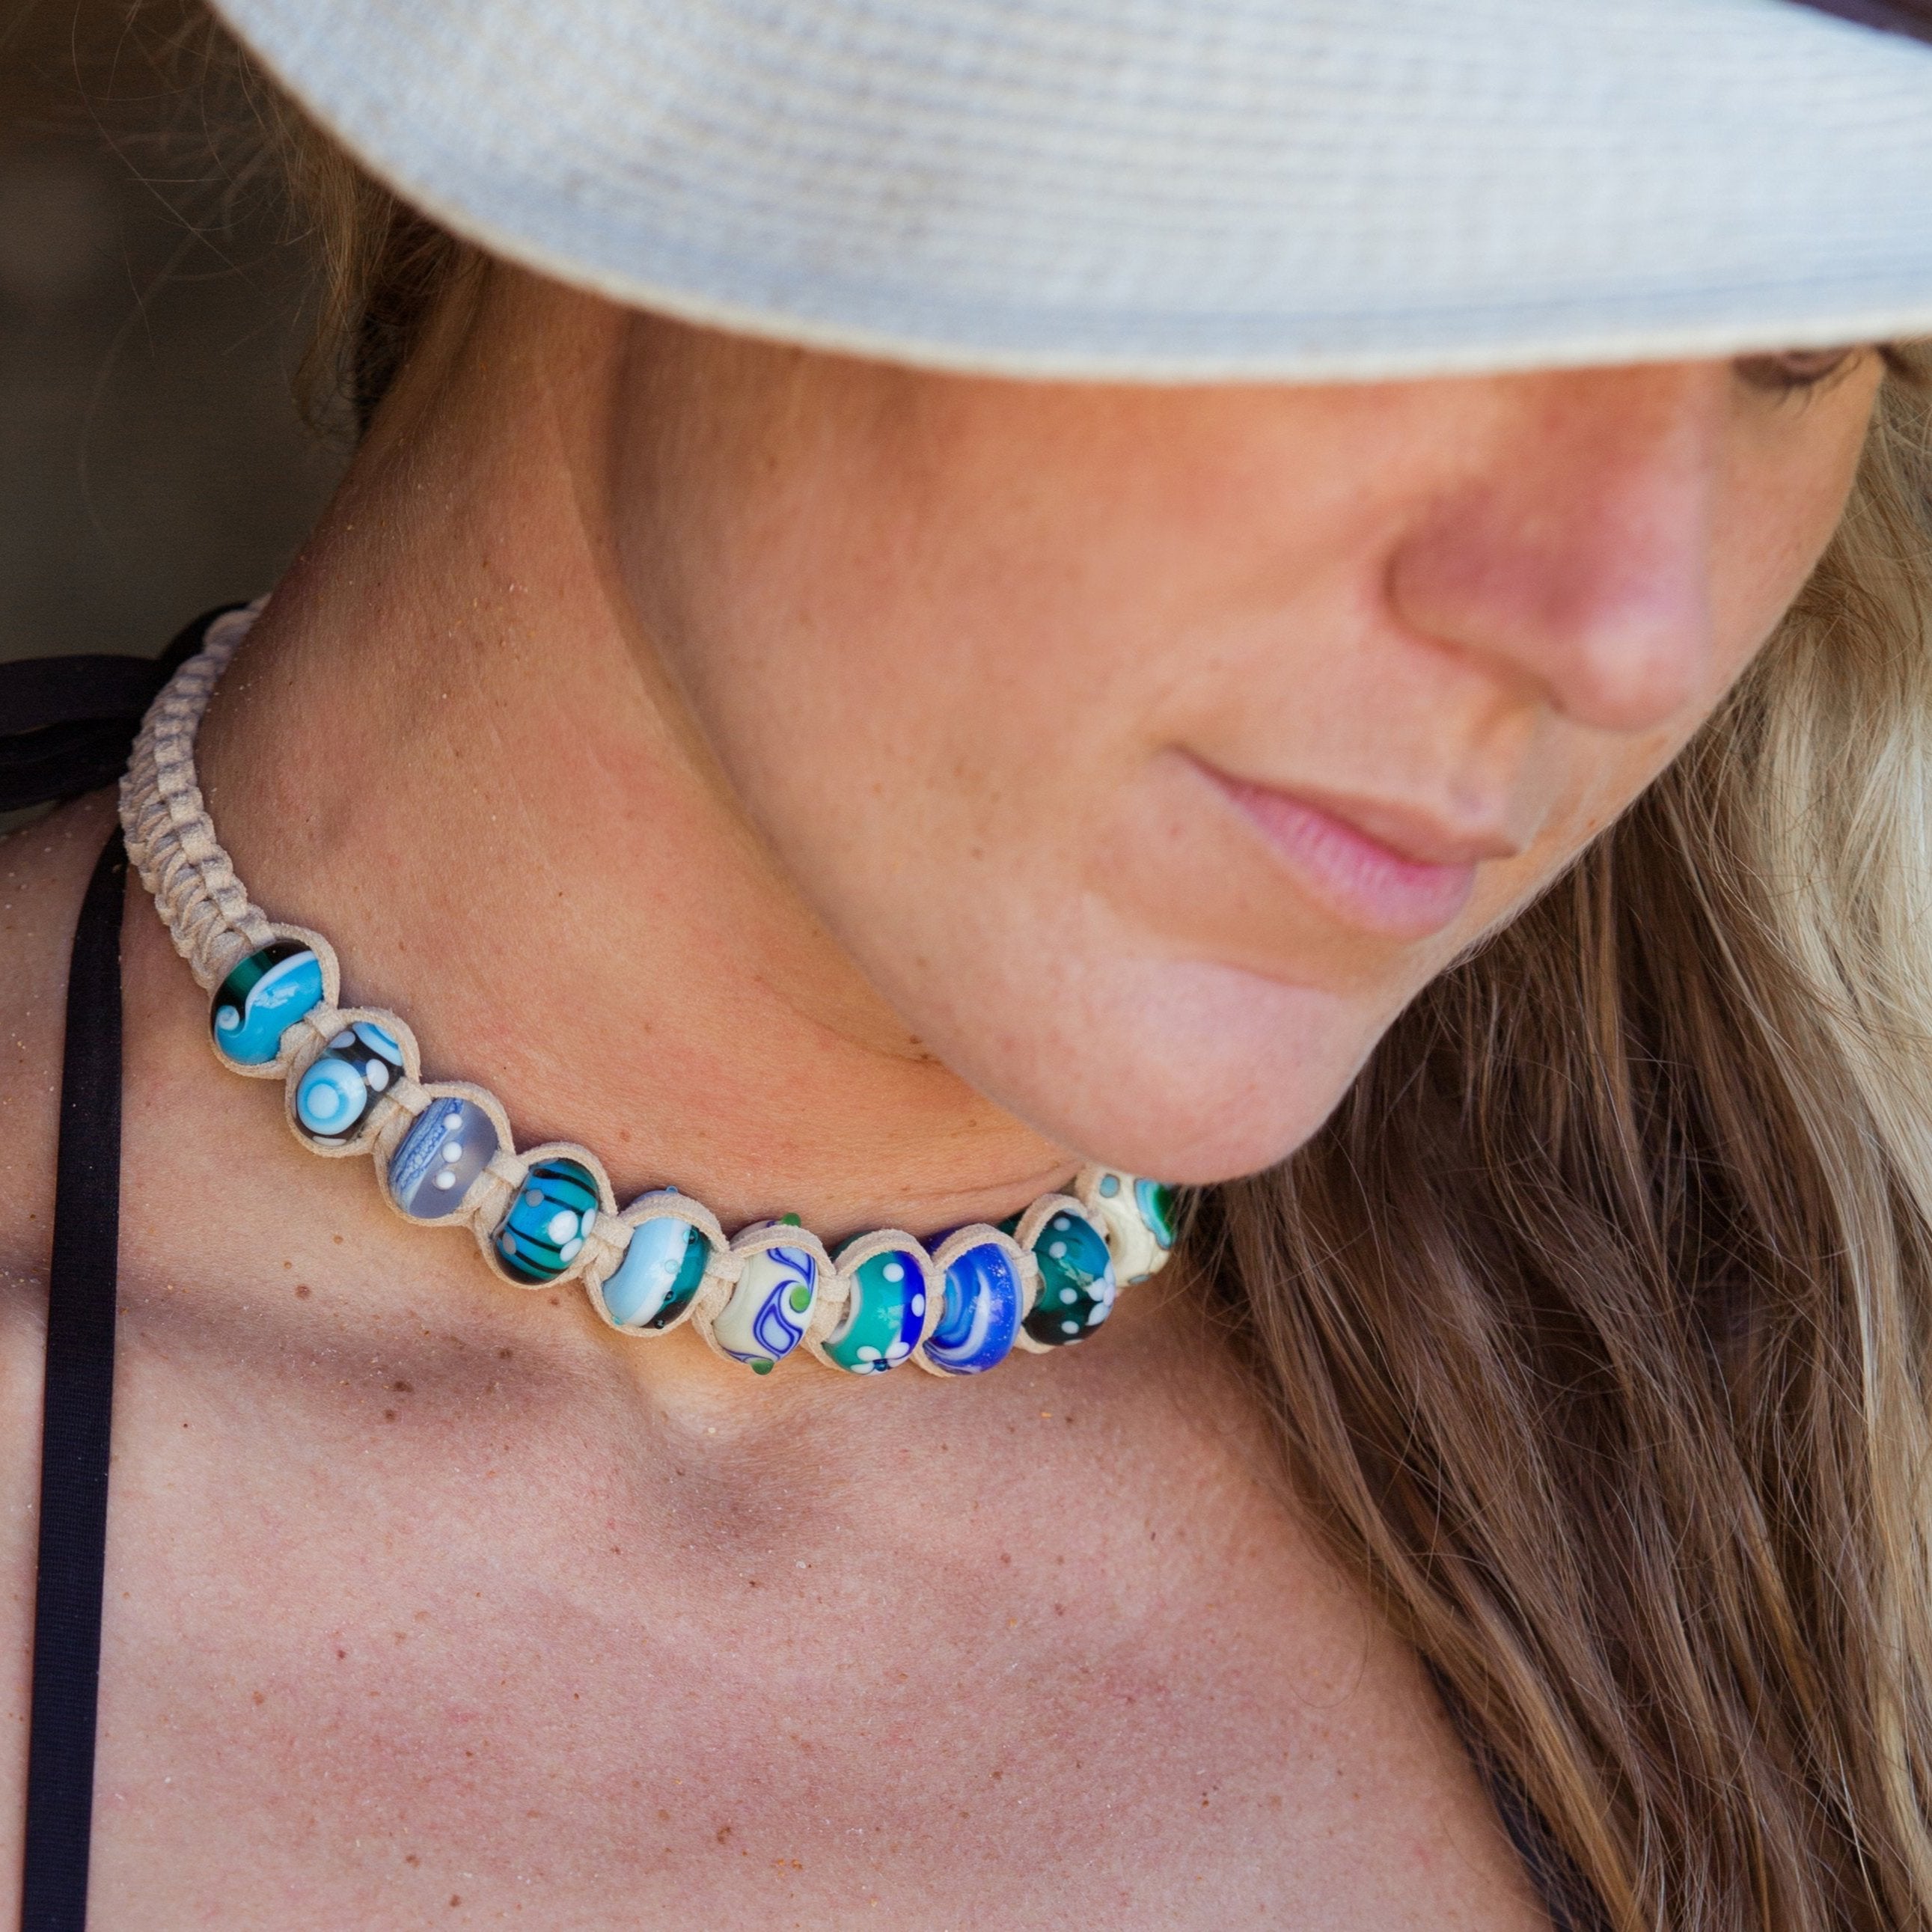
[1191, 1073]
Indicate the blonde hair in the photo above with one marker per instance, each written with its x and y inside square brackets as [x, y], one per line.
[1596, 1317]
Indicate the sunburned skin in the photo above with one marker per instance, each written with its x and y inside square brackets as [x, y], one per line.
[840, 789]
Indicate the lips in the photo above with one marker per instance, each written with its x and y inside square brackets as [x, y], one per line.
[1409, 882]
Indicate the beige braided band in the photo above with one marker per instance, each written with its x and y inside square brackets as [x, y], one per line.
[446, 1156]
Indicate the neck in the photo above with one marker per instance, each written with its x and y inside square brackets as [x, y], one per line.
[451, 745]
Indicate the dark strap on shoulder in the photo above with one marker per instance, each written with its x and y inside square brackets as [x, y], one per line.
[78, 1417]
[66, 723]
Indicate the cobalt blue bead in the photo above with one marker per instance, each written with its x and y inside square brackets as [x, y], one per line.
[981, 1313]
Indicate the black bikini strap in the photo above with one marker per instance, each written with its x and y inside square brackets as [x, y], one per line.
[66, 726]
[78, 1418]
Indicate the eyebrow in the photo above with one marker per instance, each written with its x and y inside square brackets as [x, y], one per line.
[1913, 17]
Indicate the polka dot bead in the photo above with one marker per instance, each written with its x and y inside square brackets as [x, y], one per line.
[442, 1157]
[336, 1096]
[885, 1314]
[1076, 1280]
[1136, 1216]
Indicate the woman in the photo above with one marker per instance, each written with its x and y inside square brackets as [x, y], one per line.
[940, 603]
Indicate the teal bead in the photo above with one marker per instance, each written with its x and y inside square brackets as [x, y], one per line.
[1156, 1200]
[544, 1231]
[1076, 1281]
[885, 1317]
[262, 998]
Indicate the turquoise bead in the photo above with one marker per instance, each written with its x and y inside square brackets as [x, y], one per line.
[663, 1265]
[262, 998]
[544, 1231]
[1076, 1281]
[884, 1319]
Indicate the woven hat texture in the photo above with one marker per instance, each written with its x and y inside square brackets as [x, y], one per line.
[1163, 190]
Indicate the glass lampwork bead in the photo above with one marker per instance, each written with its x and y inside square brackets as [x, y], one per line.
[1138, 1218]
[339, 1091]
[453, 1141]
[980, 1315]
[884, 1315]
[1076, 1280]
[544, 1231]
[662, 1268]
[764, 1320]
[262, 998]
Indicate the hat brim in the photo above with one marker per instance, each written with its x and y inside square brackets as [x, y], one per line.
[1162, 190]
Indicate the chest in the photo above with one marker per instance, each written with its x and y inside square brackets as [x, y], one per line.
[455, 1643]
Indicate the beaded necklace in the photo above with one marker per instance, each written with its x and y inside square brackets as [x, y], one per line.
[444, 1153]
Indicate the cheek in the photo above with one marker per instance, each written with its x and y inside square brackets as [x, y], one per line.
[1781, 500]
[925, 638]
[929, 679]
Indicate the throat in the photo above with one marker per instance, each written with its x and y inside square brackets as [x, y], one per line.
[448, 745]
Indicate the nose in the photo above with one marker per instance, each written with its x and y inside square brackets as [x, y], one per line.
[1570, 549]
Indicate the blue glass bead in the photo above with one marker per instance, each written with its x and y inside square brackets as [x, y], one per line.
[1076, 1281]
[262, 998]
[981, 1314]
[664, 1263]
[884, 1315]
[544, 1231]
[334, 1097]
[453, 1141]
[764, 1320]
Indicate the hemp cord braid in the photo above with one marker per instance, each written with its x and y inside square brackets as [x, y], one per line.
[215, 926]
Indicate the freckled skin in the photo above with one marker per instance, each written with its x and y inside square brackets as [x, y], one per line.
[784, 774]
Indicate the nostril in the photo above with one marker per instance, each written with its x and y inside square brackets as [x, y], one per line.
[1614, 655]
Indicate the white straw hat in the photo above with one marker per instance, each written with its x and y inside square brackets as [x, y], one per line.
[1165, 190]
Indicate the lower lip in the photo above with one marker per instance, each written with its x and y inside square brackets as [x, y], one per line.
[1358, 878]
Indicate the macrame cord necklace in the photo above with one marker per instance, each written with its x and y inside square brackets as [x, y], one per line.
[444, 1154]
